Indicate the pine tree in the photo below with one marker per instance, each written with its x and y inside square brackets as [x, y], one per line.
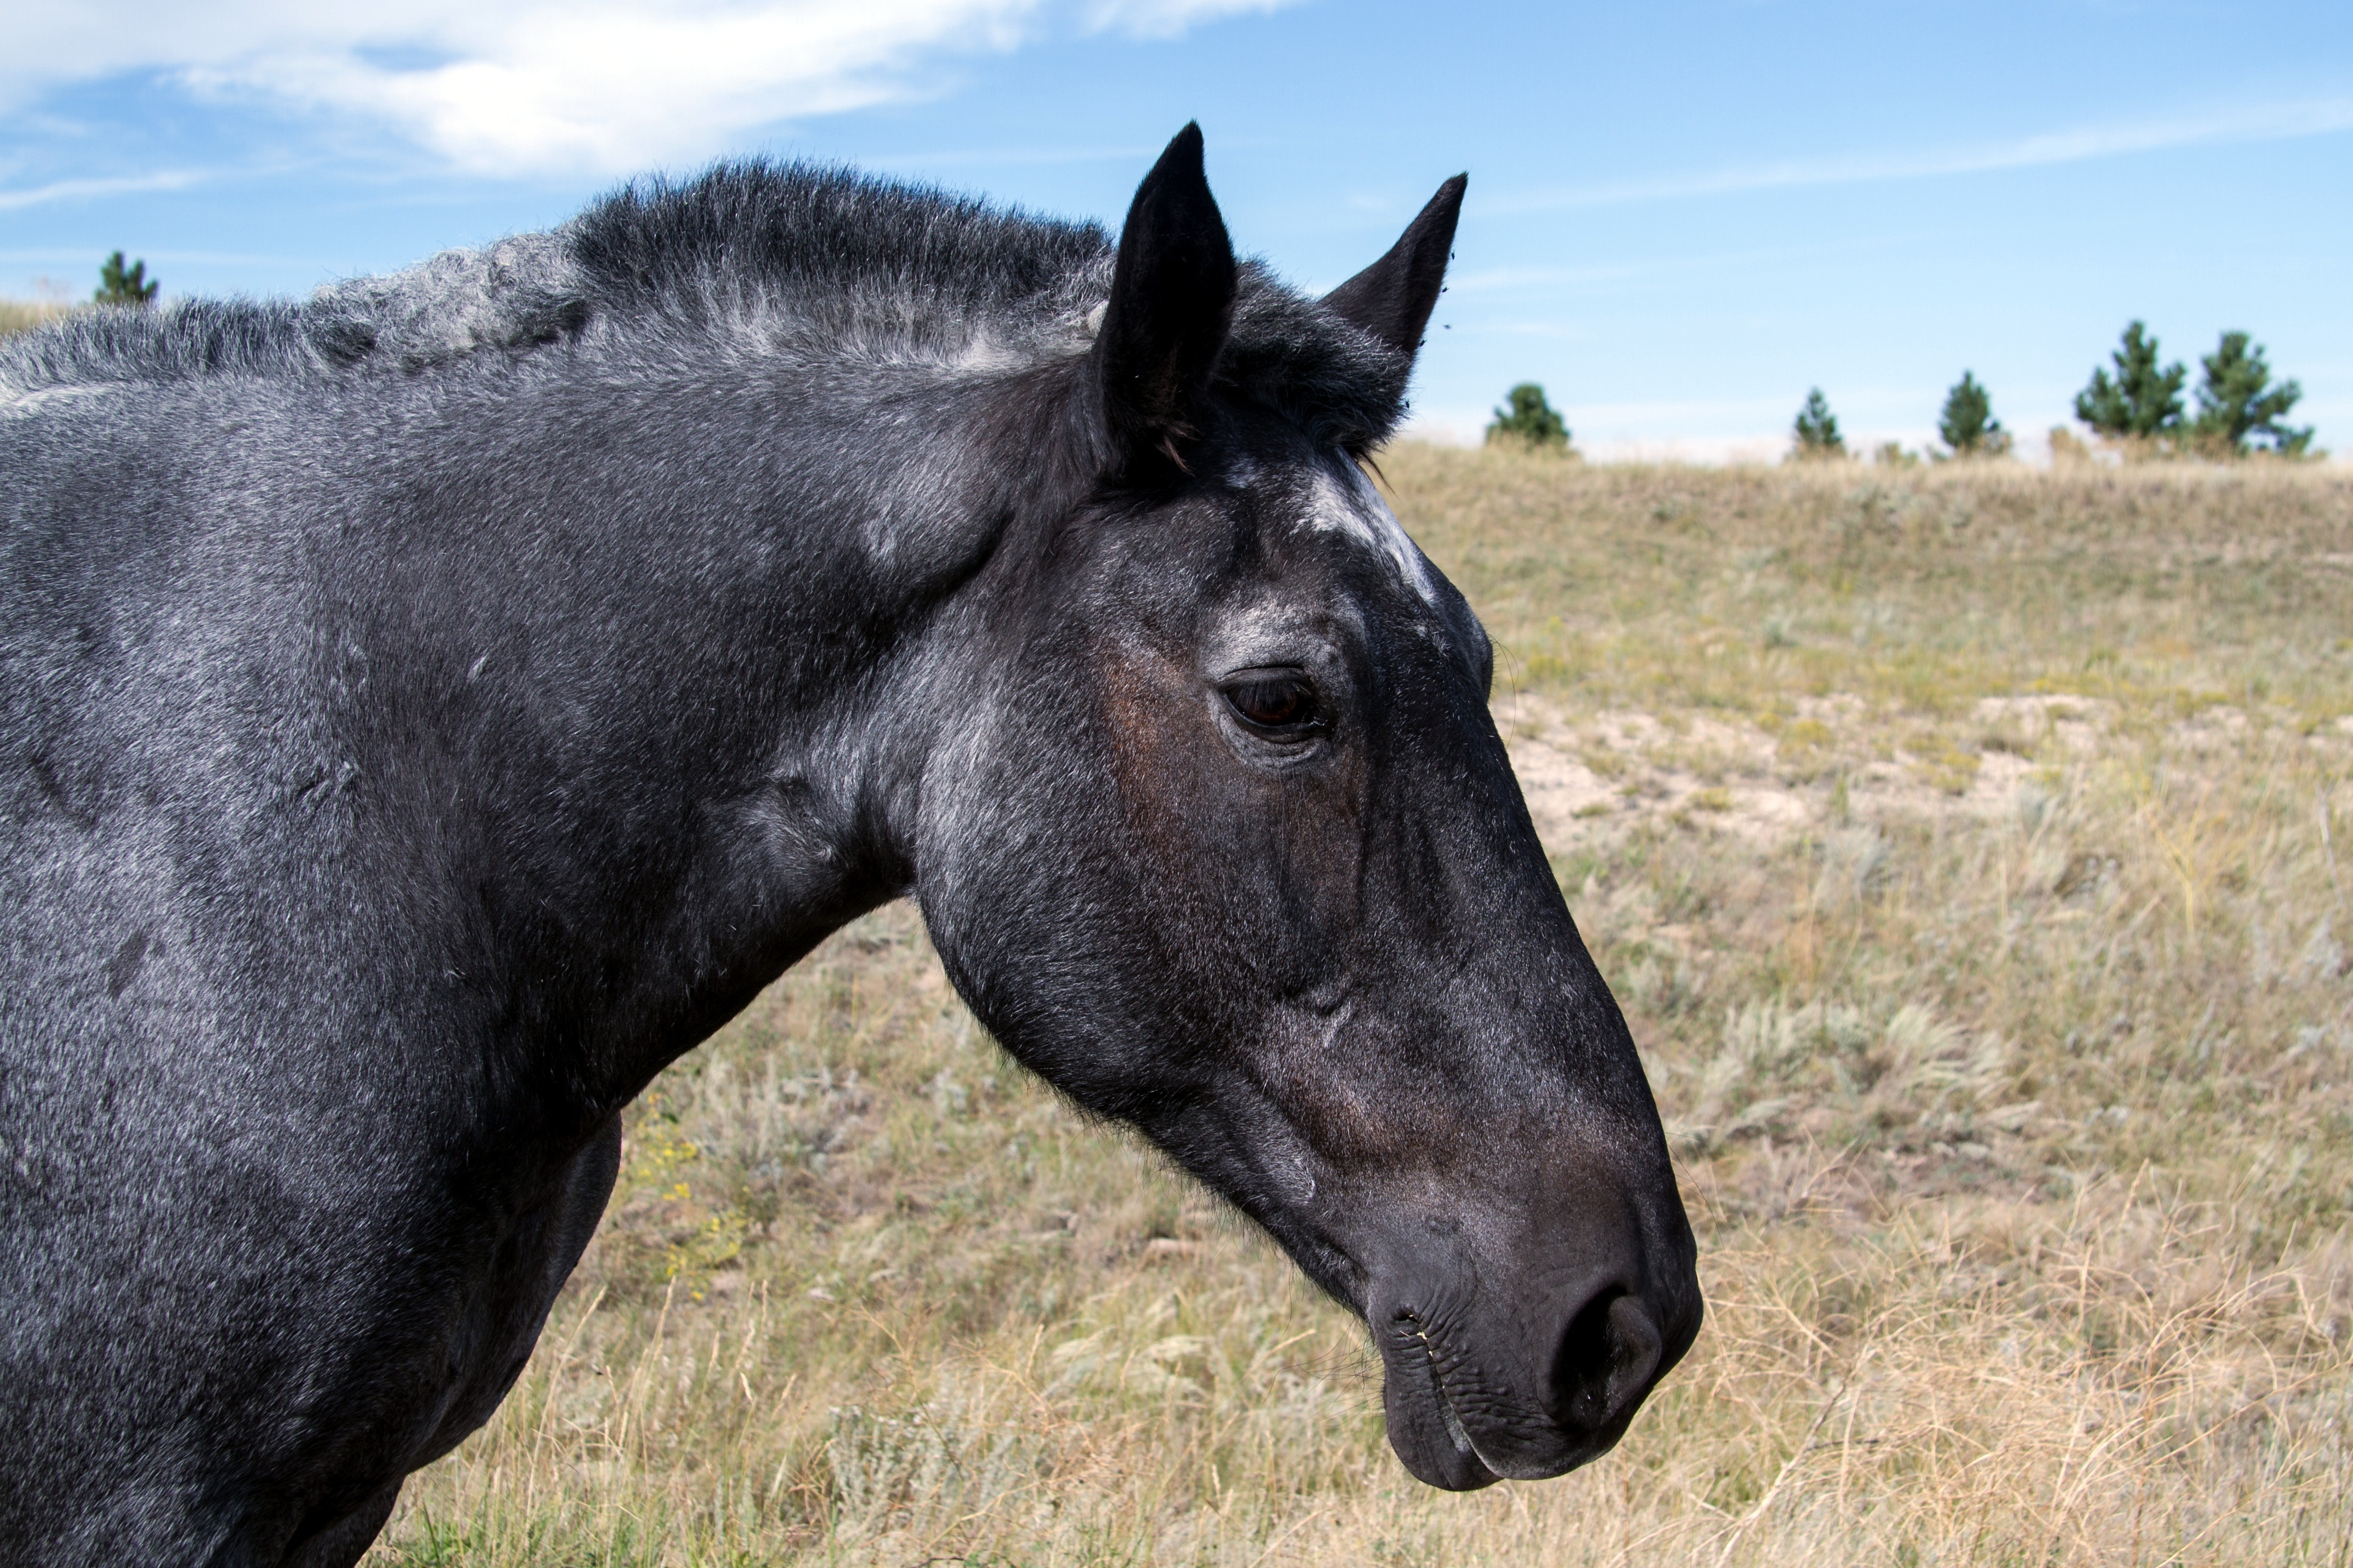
[1817, 430]
[1530, 421]
[2238, 406]
[1968, 424]
[2142, 403]
[118, 286]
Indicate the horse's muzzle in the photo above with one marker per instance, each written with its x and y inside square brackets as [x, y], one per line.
[1488, 1380]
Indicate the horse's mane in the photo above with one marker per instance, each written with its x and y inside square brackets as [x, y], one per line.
[794, 257]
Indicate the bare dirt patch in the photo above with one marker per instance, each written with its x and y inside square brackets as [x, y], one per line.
[1591, 776]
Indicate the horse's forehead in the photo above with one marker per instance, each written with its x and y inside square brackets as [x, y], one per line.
[1337, 499]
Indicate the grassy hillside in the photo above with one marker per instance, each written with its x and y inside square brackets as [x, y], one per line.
[1969, 849]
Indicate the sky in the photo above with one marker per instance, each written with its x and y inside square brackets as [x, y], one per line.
[1681, 217]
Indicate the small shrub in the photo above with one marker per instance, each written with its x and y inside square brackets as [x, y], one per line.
[2066, 447]
[1527, 420]
[1817, 430]
[121, 286]
[2239, 407]
[2142, 403]
[1967, 424]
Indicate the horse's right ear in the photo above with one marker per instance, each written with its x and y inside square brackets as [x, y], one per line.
[1172, 301]
[1392, 299]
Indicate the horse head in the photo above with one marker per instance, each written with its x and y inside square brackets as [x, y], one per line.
[1221, 840]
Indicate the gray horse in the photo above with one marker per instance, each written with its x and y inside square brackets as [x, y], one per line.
[430, 709]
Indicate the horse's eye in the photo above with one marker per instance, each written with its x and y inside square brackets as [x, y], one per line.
[1280, 706]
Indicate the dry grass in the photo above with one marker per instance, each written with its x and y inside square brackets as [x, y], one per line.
[1965, 848]
[20, 315]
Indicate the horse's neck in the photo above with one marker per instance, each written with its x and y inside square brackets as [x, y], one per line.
[714, 739]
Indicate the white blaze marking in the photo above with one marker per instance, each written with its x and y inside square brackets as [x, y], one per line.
[1359, 512]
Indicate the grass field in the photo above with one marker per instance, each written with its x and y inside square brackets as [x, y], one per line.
[1966, 848]
[1969, 848]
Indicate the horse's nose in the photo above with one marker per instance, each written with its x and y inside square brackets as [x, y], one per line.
[1603, 1363]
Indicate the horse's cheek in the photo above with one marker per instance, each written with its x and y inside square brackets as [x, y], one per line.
[1233, 863]
[1158, 769]
[1320, 822]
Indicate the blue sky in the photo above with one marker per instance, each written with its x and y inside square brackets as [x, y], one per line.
[1681, 216]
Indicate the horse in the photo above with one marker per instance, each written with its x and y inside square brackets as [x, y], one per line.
[431, 707]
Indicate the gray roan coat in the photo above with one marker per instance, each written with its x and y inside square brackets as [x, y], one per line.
[426, 710]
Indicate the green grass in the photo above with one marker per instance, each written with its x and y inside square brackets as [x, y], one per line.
[1966, 846]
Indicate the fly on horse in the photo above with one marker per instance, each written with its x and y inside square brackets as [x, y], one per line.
[431, 707]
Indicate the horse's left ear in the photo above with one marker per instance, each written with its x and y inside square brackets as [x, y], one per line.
[1171, 302]
[1392, 299]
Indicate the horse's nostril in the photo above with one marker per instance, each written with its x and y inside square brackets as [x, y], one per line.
[1638, 1344]
[1604, 1362]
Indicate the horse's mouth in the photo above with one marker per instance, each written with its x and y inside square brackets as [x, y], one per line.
[1465, 1450]
[1456, 1425]
[1424, 1426]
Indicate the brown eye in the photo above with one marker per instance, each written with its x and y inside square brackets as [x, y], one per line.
[1281, 706]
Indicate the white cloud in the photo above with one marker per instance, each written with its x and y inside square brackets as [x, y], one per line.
[515, 88]
[65, 190]
[2262, 122]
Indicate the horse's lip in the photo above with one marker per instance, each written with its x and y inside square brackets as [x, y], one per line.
[1465, 1447]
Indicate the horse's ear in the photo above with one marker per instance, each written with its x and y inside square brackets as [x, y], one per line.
[1172, 299]
[1392, 299]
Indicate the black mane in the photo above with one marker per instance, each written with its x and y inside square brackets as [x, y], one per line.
[797, 258]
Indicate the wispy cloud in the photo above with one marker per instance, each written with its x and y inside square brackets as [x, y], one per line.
[72, 190]
[1009, 157]
[2264, 122]
[1504, 279]
[596, 87]
[1656, 272]
[79, 255]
